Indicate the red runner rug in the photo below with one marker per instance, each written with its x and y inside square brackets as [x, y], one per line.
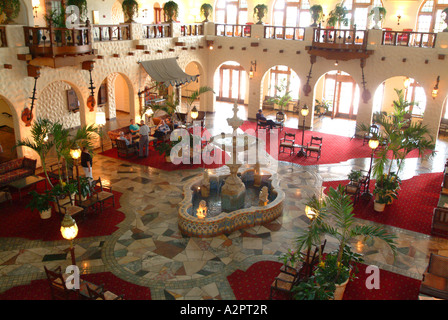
[255, 284]
[39, 289]
[21, 222]
[413, 210]
[335, 149]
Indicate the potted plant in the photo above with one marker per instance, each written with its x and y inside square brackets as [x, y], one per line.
[206, 11]
[354, 176]
[314, 288]
[130, 9]
[82, 6]
[338, 267]
[41, 203]
[171, 11]
[290, 258]
[282, 98]
[337, 16]
[85, 188]
[10, 9]
[377, 17]
[322, 107]
[316, 14]
[260, 10]
[386, 188]
[164, 148]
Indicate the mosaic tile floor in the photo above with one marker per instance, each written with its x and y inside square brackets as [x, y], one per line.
[149, 250]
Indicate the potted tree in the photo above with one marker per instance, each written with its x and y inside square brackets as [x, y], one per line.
[206, 11]
[322, 107]
[82, 5]
[338, 16]
[338, 267]
[260, 10]
[41, 203]
[10, 9]
[354, 176]
[316, 14]
[130, 9]
[282, 98]
[171, 11]
[379, 14]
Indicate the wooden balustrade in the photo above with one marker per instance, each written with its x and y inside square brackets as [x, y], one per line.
[195, 29]
[284, 33]
[112, 32]
[233, 30]
[409, 39]
[52, 42]
[340, 37]
[3, 41]
[162, 30]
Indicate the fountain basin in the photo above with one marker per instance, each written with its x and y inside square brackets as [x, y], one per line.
[220, 222]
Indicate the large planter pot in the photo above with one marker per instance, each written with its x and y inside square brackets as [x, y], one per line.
[340, 289]
[378, 207]
[45, 214]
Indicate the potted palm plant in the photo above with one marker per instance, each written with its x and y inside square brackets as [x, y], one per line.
[379, 14]
[171, 11]
[316, 14]
[338, 16]
[283, 96]
[338, 267]
[354, 176]
[10, 9]
[130, 9]
[206, 11]
[195, 95]
[322, 107]
[41, 203]
[260, 10]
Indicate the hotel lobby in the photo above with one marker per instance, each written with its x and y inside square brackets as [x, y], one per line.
[105, 70]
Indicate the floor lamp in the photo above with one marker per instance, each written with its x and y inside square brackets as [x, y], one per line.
[304, 112]
[373, 144]
[69, 231]
[101, 122]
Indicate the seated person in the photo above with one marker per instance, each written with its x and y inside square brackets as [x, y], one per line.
[134, 128]
[172, 124]
[260, 116]
[128, 140]
[161, 130]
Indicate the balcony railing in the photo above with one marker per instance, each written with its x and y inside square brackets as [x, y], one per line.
[340, 38]
[284, 33]
[3, 41]
[112, 32]
[52, 42]
[233, 30]
[409, 39]
[196, 29]
[151, 31]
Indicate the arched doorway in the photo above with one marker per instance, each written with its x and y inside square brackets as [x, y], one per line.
[117, 13]
[7, 132]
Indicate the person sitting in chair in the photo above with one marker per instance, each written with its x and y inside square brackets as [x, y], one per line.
[128, 140]
[161, 130]
[260, 116]
[134, 128]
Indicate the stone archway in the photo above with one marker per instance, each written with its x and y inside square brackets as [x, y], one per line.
[8, 131]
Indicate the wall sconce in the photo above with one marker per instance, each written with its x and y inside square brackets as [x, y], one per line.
[210, 44]
[336, 63]
[398, 18]
[435, 91]
[35, 4]
[253, 68]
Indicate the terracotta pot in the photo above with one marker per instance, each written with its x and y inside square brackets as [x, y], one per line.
[378, 207]
[340, 289]
[45, 214]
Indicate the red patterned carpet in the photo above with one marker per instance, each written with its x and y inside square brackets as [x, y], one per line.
[255, 283]
[335, 149]
[412, 210]
[21, 222]
[39, 289]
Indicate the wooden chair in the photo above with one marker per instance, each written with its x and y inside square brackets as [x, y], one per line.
[90, 202]
[435, 277]
[374, 131]
[315, 145]
[99, 293]
[124, 150]
[66, 205]
[353, 190]
[57, 168]
[58, 287]
[284, 282]
[262, 124]
[439, 225]
[103, 193]
[388, 37]
[287, 142]
[280, 120]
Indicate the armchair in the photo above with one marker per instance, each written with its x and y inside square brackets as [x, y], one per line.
[280, 120]
[65, 205]
[435, 277]
[125, 150]
[262, 124]
[315, 145]
[287, 142]
[58, 288]
[104, 193]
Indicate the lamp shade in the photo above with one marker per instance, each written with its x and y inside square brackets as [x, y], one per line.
[304, 111]
[194, 113]
[434, 93]
[69, 229]
[310, 213]
[75, 152]
[373, 143]
[100, 118]
[149, 112]
[35, 3]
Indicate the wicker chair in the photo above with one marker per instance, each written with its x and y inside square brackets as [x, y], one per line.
[126, 150]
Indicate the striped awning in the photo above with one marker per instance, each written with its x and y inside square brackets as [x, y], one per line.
[167, 71]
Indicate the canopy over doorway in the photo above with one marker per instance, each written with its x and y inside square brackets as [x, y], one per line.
[167, 71]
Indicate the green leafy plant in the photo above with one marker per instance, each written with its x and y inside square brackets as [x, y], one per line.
[386, 187]
[206, 10]
[316, 14]
[130, 9]
[171, 11]
[354, 175]
[56, 18]
[290, 258]
[85, 187]
[195, 95]
[260, 10]
[11, 9]
[314, 288]
[323, 106]
[283, 95]
[40, 201]
[338, 16]
[381, 10]
[82, 5]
